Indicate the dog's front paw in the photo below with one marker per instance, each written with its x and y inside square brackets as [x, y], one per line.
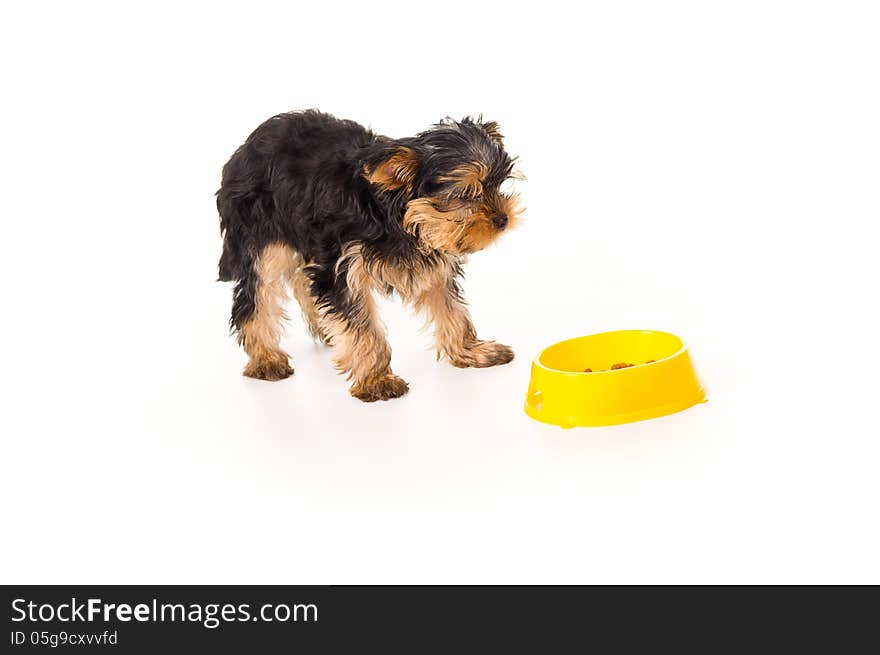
[383, 386]
[483, 354]
[272, 369]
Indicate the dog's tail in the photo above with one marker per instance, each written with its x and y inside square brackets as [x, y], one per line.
[238, 259]
[242, 215]
[246, 211]
[227, 264]
[233, 229]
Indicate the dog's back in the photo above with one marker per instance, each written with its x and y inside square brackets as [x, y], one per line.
[277, 165]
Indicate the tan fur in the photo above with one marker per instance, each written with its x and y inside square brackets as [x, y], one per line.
[361, 349]
[358, 340]
[454, 333]
[460, 228]
[300, 285]
[428, 285]
[468, 180]
[261, 335]
[398, 171]
[494, 131]
[413, 279]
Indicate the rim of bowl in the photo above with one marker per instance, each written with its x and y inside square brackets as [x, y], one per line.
[537, 360]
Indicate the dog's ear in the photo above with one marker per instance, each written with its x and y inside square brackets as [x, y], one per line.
[493, 131]
[394, 169]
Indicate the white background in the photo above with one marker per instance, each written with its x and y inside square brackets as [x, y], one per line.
[709, 169]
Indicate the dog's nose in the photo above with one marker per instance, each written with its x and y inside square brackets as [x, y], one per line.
[500, 221]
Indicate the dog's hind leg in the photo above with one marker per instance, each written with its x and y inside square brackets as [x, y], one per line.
[301, 285]
[258, 312]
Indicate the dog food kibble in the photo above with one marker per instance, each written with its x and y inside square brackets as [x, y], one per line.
[618, 366]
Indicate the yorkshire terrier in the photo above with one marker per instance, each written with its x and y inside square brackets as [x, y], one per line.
[328, 210]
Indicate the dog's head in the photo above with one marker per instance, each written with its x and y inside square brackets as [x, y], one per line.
[450, 178]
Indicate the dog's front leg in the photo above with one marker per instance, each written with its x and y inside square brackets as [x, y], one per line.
[358, 340]
[454, 332]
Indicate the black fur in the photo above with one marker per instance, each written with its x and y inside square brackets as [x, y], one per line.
[299, 179]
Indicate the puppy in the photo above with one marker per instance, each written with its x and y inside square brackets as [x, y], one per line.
[328, 210]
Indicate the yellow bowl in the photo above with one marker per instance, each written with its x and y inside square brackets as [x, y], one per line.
[561, 393]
